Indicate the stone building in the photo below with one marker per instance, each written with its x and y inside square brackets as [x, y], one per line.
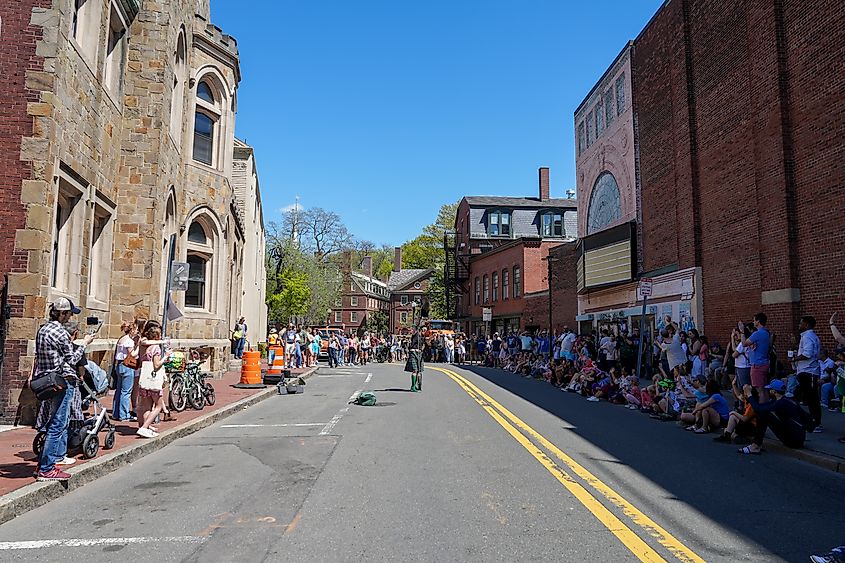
[734, 191]
[117, 130]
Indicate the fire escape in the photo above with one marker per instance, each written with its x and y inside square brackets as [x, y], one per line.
[455, 273]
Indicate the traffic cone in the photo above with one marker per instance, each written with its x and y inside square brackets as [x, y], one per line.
[251, 371]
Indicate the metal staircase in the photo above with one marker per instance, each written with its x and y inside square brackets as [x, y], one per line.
[455, 272]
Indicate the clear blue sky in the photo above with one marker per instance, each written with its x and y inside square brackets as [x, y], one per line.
[382, 110]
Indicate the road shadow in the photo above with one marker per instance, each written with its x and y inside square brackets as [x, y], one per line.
[392, 390]
[772, 500]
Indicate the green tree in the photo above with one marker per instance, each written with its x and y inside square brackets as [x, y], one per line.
[295, 293]
[377, 322]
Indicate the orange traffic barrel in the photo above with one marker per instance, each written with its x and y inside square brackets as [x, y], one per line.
[278, 361]
[251, 370]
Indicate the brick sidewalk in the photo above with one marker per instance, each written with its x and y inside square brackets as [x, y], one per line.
[17, 462]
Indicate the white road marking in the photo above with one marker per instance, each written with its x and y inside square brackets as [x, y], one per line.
[94, 542]
[336, 418]
[369, 377]
[341, 375]
[297, 424]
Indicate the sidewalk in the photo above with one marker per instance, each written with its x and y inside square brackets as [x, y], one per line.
[18, 463]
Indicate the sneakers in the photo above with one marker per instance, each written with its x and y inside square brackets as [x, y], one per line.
[835, 556]
[146, 433]
[593, 399]
[66, 461]
[54, 474]
[818, 429]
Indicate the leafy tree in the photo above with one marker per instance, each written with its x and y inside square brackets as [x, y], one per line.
[295, 292]
[377, 322]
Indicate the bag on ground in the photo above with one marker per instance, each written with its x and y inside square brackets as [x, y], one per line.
[365, 399]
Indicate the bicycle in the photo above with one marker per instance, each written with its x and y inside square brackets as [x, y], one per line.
[191, 388]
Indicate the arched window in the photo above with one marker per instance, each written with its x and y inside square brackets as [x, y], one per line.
[551, 224]
[605, 203]
[204, 93]
[196, 233]
[169, 230]
[201, 247]
[498, 223]
[207, 121]
[517, 281]
[178, 95]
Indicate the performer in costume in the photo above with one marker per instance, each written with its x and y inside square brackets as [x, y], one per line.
[414, 365]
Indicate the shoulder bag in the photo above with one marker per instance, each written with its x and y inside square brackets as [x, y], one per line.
[151, 379]
[48, 385]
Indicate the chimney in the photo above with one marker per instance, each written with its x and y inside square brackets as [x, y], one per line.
[397, 259]
[544, 183]
[367, 266]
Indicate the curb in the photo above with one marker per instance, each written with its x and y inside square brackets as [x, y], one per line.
[819, 459]
[38, 494]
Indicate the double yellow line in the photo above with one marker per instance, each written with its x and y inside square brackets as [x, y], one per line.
[512, 424]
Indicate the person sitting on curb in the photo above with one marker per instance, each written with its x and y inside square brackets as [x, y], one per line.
[788, 421]
[739, 423]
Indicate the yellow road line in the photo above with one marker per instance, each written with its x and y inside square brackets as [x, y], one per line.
[667, 540]
[631, 540]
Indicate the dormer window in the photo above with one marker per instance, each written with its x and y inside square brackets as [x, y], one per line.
[498, 224]
[551, 224]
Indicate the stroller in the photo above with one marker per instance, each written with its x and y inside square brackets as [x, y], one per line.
[382, 353]
[83, 435]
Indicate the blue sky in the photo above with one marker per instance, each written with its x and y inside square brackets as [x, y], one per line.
[382, 110]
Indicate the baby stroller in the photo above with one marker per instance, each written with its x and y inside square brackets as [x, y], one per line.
[83, 435]
[382, 353]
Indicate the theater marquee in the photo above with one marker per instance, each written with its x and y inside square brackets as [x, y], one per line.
[607, 258]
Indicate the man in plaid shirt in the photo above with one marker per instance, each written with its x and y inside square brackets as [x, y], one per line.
[54, 351]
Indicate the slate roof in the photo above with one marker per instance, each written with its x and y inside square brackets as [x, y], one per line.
[404, 277]
[502, 201]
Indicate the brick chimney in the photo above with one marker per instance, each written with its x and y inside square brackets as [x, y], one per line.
[397, 259]
[544, 183]
[367, 266]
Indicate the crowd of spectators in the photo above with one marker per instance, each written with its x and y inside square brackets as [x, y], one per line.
[738, 391]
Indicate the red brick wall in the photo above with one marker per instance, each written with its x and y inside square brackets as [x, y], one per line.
[17, 55]
[564, 286]
[739, 112]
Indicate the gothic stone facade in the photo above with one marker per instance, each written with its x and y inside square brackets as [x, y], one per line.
[117, 131]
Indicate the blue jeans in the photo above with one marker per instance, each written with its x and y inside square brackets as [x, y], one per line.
[124, 380]
[55, 446]
[239, 348]
[340, 357]
[298, 356]
[332, 357]
[271, 355]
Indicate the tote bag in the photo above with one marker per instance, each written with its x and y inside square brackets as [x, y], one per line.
[151, 379]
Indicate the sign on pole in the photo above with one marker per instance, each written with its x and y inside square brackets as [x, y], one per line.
[487, 314]
[179, 276]
[645, 287]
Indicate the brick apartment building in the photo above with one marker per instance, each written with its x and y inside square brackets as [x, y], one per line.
[496, 258]
[709, 157]
[362, 296]
[406, 286]
[116, 134]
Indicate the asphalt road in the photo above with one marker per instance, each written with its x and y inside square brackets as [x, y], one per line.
[481, 466]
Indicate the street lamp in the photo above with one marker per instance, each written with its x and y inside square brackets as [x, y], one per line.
[549, 261]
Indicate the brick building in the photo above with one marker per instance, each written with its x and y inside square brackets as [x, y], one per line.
[406, 287]
[736, 177]
[496, 258]
[117, 131]
[362, 297]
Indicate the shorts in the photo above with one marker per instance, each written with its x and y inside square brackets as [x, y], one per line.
[290, 349]
[743, 377]
[760, 375]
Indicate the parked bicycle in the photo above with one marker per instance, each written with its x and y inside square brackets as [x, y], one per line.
[190, 387]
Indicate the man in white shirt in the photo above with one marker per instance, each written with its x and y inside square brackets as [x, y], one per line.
[807, 367]
[567, 343]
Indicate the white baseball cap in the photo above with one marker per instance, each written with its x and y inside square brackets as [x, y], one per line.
[65, 304]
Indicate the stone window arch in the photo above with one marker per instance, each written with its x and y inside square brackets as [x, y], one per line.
[170, 228]
[605, 203]
[210, 118]
[202, 240]
[180, 77]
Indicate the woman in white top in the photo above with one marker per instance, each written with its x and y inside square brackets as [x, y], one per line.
[124, 375]
[740, 354]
